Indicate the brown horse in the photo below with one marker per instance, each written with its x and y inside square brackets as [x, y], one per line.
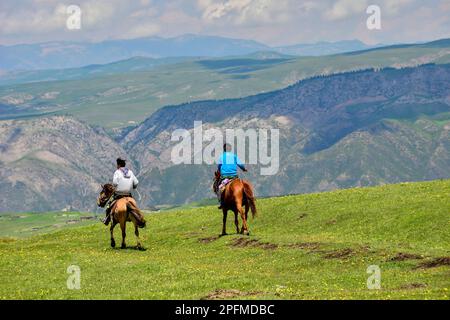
[238, 194]
[124, 209]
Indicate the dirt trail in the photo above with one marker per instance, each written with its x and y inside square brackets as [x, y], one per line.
[220, 294]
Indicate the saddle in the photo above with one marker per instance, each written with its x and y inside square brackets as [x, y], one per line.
[112, 201]
[120, 196]
[225, 181]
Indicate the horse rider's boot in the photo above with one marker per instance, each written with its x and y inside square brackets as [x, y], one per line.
[220, 203]
[107, 218]
[108, 207]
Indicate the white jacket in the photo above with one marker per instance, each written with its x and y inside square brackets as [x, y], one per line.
[124, 183]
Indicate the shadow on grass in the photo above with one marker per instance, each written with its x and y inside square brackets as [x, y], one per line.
[134, 248]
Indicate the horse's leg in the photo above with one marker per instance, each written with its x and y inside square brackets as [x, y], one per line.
[111, 229]
[241, 211]
[136, 232]
[247, 208]
[123, 227]
[236, 221]
[224, 227]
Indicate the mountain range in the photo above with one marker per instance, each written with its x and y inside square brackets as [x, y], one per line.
[348, 129]
[325, 48]
[99, 94]
[64, 54]
[351, 129]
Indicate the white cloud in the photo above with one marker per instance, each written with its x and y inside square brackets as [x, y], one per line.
[246, 12]
[218, 9]
[308, 6]
[32, 21]
[50, 16]
[142, 30]
[392, 7]
[345, 8]
[275, 22]
[98, 13]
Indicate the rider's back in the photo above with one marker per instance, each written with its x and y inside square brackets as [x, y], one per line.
[125, 181]
[228, 164]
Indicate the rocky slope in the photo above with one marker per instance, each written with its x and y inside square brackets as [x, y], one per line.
[352, 129]
[53, 163]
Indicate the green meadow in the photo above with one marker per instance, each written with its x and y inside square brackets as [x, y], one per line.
[313, 246]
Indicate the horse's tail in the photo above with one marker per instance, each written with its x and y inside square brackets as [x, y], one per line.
[248, 192]
[137, 214]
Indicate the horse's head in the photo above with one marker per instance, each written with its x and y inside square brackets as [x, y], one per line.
[216, 181]
[105, 194]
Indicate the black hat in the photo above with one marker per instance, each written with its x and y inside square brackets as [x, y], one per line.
[121, 162]
[227, 147]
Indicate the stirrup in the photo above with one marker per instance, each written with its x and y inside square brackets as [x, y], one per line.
[106, 220]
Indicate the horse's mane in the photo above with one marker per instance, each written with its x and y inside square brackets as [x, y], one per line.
[216, 181]
[108, 188]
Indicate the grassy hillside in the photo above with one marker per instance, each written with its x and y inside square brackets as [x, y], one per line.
[301, 247]
[22, 225]
[102, 99]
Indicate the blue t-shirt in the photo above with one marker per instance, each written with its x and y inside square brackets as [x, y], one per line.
[228, 163]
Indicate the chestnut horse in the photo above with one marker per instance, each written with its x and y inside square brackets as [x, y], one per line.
[124, 209]
[238, 194]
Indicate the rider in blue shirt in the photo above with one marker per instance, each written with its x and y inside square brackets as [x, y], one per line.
[228, 164]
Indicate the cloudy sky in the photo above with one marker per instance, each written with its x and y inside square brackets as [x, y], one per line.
[274, 22]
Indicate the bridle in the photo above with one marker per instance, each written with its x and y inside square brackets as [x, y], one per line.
[216, 182]
[105, 195]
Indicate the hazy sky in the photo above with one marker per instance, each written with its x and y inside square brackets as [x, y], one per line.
[274, 22]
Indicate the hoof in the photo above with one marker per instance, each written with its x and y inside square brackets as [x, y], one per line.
[113, 243]
[223, 234]
[123, 246]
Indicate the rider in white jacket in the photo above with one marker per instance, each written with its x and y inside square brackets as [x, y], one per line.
[124, 181]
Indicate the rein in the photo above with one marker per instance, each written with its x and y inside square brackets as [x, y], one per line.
[137, 191]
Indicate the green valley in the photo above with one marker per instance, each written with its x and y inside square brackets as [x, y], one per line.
[101, 97]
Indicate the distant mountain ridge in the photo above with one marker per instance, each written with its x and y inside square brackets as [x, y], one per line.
[133, 64]
[63, 54]
[98, 94]
[325, 48]
[60, 55]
